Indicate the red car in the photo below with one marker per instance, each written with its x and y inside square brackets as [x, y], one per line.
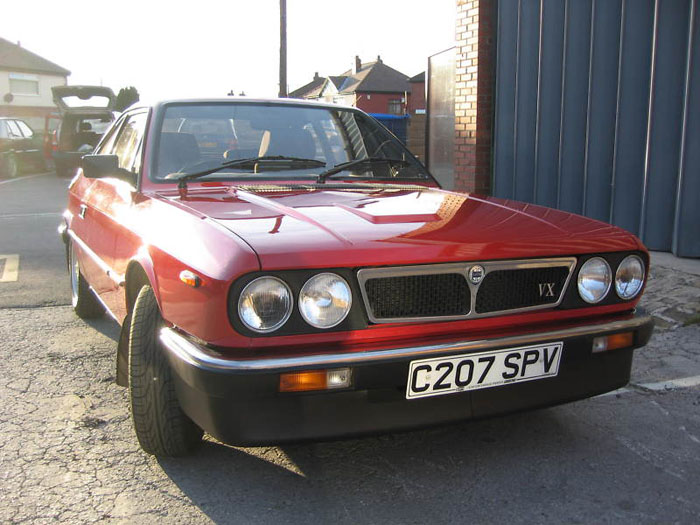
[313, 281]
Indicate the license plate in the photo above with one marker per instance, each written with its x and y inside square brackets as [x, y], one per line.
[460, 373]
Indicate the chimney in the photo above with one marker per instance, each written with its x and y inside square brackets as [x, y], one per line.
[316, 77]
[358, 64]
[379, 59]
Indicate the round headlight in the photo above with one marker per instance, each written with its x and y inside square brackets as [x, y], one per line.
[265, 304]
[325, 300]
[594, 280]
[629, 277]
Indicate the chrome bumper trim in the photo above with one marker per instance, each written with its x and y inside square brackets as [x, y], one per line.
[200, 357]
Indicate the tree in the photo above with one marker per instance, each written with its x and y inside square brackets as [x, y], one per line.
[126, 97]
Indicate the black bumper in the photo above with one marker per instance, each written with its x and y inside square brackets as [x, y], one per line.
[238, 401]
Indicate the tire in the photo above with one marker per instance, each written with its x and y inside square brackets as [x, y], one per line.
[161, 426]
[11, 166]
[61, 170]
[39, 164]
[85, 304]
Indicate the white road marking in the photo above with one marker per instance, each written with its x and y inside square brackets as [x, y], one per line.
[25, 215]
[23, 178]
[673, 384]
[11, 270]
[660, 386]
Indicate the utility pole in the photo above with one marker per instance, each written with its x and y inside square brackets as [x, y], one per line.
[283, 49]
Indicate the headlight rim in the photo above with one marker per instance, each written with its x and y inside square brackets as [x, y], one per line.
[301, 295]
[611, 278]
[287, 315]
[641, 281]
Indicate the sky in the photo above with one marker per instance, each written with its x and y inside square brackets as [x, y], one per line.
[208, 48]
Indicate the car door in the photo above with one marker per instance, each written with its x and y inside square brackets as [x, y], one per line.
[17, 141]
[30, 148]
[111, 201]
[84, 221]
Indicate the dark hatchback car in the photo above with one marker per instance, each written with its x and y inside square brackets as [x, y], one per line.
[19, 149]
[87, 112]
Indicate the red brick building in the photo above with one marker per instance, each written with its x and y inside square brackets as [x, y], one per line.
[372, 87]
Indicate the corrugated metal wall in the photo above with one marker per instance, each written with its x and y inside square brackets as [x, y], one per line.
[598, 112]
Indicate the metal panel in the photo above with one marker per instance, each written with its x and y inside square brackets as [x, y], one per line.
[598, 112]
[637, 29]
[602, 102]
[552, 31]
[572, 147]
[441, 117]
[686, 238]
[664, 134]
[526, 102]
[504, 120]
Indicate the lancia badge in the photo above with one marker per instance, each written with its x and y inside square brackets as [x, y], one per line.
[476, 274]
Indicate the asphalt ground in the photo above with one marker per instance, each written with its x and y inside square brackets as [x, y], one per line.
[68, 453]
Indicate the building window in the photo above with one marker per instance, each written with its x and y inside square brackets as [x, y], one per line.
[21, 84]
[395, 107]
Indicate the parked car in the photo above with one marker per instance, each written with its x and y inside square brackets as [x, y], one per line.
[313, 281]
[86, 113]
[19, 149]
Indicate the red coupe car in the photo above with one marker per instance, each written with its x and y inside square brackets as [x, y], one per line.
[304, 277]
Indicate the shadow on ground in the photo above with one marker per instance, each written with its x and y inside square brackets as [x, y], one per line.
[409, 477]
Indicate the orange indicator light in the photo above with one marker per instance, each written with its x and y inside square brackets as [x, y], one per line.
[613, 342]
[314, 380]
[190, 279]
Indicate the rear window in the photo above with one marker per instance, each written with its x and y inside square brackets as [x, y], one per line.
[89, 102]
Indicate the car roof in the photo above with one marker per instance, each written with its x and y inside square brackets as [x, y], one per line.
[238, 100]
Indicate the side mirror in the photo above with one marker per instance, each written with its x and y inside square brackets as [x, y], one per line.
[104, 166]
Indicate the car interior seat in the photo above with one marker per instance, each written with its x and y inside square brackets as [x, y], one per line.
[288, 142]
[85, 136]
[176, 150]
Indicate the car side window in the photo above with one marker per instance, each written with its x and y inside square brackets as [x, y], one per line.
[106, 144]
[129, 139]
[3, 129]
[26, 130]
[13, 129]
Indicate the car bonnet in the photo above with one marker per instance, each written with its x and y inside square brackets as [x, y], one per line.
[346, 226]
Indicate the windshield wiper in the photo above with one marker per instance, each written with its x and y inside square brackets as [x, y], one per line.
[184, 177]
[343, 166]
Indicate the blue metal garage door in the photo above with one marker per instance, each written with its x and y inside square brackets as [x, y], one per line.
[598, 112]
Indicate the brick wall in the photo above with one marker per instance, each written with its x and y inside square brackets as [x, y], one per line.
[475, 59]
[377, 102]
[416, 136]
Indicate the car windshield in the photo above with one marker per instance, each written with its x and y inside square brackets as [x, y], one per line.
[224, 141]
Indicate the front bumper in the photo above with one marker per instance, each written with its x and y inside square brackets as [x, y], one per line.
[237, 400]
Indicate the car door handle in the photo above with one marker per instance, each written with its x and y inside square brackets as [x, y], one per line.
[83, 209]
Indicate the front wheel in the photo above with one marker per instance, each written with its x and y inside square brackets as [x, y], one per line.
[161, 426]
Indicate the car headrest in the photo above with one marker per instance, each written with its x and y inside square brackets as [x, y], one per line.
[176, 150]
[288, 142]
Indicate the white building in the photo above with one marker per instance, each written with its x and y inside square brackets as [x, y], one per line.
[25, 84]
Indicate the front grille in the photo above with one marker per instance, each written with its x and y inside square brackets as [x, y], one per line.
[413, 293]
[435, 295]
[512, 289]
